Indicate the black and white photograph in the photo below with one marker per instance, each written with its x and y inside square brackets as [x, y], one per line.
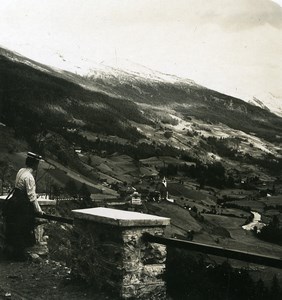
[141, 149]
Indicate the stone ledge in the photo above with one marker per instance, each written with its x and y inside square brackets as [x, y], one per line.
[46, 202]
[120, 218]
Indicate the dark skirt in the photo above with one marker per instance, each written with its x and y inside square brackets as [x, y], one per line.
[20, 221]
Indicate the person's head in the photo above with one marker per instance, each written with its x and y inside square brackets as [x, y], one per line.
[32, 160]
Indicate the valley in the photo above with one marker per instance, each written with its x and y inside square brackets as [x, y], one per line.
[105, 137]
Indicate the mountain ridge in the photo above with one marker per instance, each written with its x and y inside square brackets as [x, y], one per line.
[99, 70]
[165, 118]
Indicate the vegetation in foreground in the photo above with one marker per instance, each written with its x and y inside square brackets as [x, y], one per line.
[192, 277]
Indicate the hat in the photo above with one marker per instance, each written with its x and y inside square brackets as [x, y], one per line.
[34, 156]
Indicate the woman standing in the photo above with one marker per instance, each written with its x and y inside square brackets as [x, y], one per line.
[21, 210]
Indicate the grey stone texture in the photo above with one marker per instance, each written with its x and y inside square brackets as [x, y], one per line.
[116, 259]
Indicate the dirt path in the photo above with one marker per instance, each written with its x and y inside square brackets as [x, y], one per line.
[41, 280]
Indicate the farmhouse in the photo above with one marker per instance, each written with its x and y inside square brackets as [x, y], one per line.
[134, 199]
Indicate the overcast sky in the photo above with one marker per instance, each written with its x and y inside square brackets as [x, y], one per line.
[233, 46]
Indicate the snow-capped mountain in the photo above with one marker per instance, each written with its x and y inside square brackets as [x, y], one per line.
[269, 102]
[259, 103]
[114, 79]
[142, 103]
[133, 71]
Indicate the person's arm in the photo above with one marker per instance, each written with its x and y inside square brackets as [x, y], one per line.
[30, 190]
[37, 207]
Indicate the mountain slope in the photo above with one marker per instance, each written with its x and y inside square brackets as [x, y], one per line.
[188, 98]
[150, 115]
[35, 99]
[144, 86]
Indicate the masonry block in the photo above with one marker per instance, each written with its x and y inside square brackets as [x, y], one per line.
[110, 253]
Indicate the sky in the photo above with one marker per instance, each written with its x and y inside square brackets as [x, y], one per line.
[232, 46]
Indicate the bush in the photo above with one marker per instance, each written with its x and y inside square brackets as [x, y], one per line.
[189, 276]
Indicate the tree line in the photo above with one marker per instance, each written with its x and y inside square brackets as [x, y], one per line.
[191, 276]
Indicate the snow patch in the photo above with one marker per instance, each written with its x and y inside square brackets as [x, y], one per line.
[57, 108]
[268, 101]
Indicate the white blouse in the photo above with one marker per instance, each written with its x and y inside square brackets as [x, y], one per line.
[25, 182]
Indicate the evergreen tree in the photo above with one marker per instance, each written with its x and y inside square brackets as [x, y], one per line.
[85, 194]
[5, 172]
[261, 292]
[56, 190]
[71, 188]
[275, 291]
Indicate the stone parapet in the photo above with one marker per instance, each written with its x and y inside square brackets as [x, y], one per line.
[47, 203]
[121, 218]
[110, 253]
[41, 247]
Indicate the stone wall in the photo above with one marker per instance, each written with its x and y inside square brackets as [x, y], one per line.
[115, 259]
[41, 247]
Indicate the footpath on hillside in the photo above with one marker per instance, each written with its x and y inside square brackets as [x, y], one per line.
[41, 279]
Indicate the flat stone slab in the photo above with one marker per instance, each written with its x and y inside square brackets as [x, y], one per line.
[46, 202]
[118, 217]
